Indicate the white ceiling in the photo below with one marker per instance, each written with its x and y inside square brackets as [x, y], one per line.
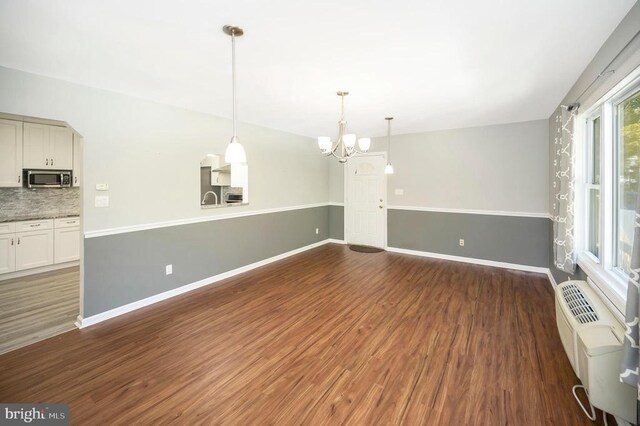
[433, 64]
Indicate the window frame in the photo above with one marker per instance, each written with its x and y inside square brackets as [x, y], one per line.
[609, 279]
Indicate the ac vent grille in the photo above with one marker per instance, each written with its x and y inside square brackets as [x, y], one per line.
[579, 305]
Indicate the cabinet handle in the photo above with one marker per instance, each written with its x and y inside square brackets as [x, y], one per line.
[12, 241]
[46, 161]
[35, 225]
[52, 161]
[18, 241]
[75, 179]
[19, 178]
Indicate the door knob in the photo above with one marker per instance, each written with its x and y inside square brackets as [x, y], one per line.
[380, 206]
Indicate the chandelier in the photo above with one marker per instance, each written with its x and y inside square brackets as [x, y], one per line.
[345, 145]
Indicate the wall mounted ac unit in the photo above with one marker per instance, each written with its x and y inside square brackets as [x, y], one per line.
[592, 338]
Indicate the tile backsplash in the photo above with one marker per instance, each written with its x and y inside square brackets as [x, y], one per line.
[20, 202]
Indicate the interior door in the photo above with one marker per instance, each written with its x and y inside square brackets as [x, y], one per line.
[365, 206]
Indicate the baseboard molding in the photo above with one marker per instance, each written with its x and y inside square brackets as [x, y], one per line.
[552, 280]
[39, 270]
[121, 310]
[527, 268]
[334, 241]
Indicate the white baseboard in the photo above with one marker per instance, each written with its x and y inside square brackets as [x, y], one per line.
[552, 280]
[334, 241]
[39, 270]
[112, 313]
[472, 260]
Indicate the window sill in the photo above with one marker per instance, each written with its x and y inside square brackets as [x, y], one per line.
[610, 285]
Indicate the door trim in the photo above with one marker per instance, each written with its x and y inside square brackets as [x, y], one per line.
[382, 154]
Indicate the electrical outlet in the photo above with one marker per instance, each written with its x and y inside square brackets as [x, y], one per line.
[169, 269]
[461, 242]
[317, 231]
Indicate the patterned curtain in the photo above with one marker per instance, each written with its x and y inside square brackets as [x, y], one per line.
[629, 373]
[563, 188]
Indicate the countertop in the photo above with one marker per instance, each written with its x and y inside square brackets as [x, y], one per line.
[36, 216]
[219, 206]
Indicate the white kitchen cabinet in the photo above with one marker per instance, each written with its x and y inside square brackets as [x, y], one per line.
[10, 153]
[35, 243]
[47, 147]
[34, 249]
[7, 253]
[77, 160]
[220, 179]
[67, 245]
[61, 148]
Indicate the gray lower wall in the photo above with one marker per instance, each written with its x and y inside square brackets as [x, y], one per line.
[511, 239]
[336, 222]
[519, 240]
[124, 268]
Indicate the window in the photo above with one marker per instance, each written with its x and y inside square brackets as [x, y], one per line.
[627, 143]
[593, 187]
[610, 179]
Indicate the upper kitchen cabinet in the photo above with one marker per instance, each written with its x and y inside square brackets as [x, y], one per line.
[47, 147]
[77, 160]
[10, 153]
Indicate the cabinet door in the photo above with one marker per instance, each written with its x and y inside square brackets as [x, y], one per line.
[7, 253]
[10, 153]
[60, 148]
[36, 146]
[34, 249]
[220, 179]
[67, 245]
[77, 160]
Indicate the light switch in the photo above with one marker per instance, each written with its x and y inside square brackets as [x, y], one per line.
[102, 186]
[102, 201]
[399, 191]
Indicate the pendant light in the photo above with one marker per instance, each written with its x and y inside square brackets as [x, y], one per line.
[388, 169]
[235, 152]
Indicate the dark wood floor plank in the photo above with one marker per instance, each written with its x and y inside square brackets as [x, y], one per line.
[329, 336]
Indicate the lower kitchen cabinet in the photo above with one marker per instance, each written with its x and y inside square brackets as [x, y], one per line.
[37, 243]
[67, 245]
[7, 253]
[34, 249]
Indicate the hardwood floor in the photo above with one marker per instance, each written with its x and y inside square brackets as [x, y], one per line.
[37, 307]
[329, 336]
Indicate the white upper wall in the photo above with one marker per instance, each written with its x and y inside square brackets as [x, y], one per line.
[491, 168]
[149, 153]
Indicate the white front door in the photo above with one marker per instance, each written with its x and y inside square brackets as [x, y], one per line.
[365, 204]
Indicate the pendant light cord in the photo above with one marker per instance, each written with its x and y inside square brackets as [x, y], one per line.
[389, 141]
[233, 74]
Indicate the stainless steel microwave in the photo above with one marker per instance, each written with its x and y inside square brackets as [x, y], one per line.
[47, 178]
